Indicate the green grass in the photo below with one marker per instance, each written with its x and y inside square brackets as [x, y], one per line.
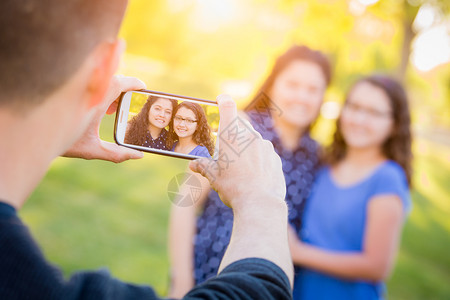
[94, 214]
[423, 265]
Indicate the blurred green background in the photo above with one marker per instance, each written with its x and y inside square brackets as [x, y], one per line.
[93, 214]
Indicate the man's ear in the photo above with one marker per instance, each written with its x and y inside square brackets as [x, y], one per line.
[106, 60]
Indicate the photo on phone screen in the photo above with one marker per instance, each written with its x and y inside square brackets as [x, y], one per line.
[167, 124]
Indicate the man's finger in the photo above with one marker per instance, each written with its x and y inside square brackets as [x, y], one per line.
[118, 153]
[205, 167]
[112, 108]
[227, 111]
[129, 83]
[251, 128]
[120, 84]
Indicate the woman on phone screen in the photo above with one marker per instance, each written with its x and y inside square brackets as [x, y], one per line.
[191, 132]
[283, 110]
[356, 210]
[148, 127]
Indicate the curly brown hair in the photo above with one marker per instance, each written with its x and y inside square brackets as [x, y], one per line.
[202, 135]
[138, 125]
[397, 146]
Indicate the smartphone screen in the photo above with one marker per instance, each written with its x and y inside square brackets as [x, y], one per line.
[167, 124]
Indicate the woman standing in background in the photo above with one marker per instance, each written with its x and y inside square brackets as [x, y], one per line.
[356, 210]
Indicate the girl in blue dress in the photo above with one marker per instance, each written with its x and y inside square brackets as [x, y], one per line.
[355, 213]
[191, 131]
[286, 105]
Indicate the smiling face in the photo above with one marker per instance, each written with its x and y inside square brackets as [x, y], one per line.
[366, 119]
[298, 92]
[160, 113]
[184, 122]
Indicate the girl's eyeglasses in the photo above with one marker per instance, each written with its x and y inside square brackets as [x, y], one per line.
[188, 121]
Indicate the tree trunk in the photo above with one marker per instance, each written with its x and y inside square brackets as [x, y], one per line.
[408, 36]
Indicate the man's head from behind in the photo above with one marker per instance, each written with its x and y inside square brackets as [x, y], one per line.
[44, 42]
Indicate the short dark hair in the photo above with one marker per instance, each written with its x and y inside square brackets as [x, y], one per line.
[44, 42]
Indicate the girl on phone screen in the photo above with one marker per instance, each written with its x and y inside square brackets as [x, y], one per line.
[191, 132]
[148, 127]
[355, 213]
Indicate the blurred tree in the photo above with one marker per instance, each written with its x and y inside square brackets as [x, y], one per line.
[410, 10]
[214, 41]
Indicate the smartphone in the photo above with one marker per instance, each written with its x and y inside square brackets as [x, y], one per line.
[167, 124]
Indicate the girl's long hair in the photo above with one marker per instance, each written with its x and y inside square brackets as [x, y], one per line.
[202, 135]
[397, 146]
[138, 125]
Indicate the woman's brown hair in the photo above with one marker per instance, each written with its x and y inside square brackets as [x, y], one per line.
[138, 125]
[292, 54]
[202, 135]
[397, 147]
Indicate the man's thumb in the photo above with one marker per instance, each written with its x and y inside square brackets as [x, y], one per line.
[206, 167]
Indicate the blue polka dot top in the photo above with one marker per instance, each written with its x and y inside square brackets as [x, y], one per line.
[159, 142]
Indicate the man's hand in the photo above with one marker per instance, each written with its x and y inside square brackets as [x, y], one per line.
[90, 146]
[242, 174]
[249, 178]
